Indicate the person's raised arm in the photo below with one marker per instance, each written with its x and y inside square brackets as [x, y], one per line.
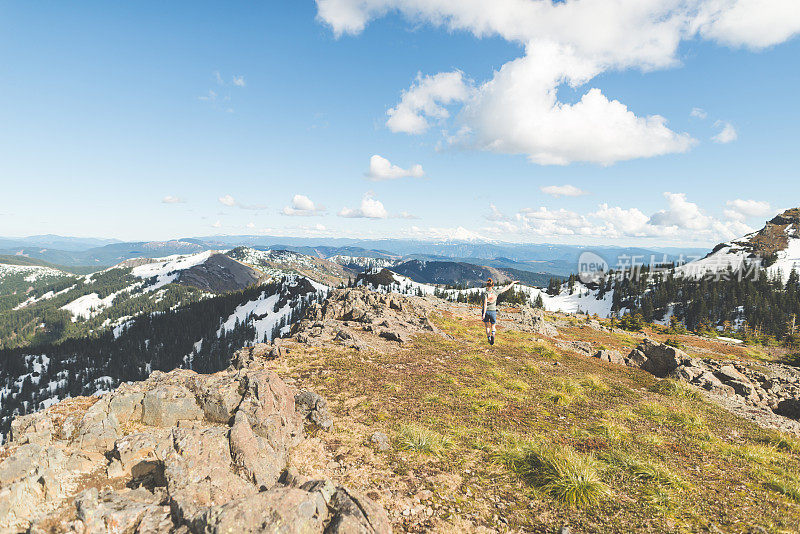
[509, 286]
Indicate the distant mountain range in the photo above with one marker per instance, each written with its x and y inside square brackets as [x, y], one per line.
[538, 258]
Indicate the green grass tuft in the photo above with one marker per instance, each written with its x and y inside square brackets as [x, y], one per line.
[644, 470]
[420, 439]
[564, 474]
[672, 388]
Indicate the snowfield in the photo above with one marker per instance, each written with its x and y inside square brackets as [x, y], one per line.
[166, 270]
[32, 273]
[735, 256]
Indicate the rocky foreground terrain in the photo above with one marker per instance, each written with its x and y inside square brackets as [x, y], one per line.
[415, 431]
[179, 452]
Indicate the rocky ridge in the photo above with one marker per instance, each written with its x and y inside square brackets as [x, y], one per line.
[178, 452]
[361, 319]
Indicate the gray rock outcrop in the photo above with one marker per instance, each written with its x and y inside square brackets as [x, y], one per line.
[766, 388]
[179, 452]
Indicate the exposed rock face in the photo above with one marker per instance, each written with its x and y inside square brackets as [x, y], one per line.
[179, 452]
[355, 317]
[532, 320]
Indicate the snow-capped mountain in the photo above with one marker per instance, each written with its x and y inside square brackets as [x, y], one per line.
[776, 247]
[277, 263]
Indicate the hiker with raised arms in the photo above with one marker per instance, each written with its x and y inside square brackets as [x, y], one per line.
[490, 307]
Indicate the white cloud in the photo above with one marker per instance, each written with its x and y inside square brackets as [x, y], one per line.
[405, 215]
[251, 225]
[753, 24]
[698, 113]
[683, 221]
[227, 200]
[426, 99]
[518, 111]
[302, 206]
[740, 209]
[217, 224]
[170, 199]
[727, 134]
[562, 191]
[621, 222]
[381, 169]
[547, 222]
[495, 215]
[231, 202]
[238, 81]
[444, 234]
[218, 78]
[371, 208]
[681, 214]
[211, 96]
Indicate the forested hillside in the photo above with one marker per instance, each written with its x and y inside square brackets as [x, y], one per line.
[199, 335]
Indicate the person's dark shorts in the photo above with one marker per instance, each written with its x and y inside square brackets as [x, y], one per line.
[490, 317]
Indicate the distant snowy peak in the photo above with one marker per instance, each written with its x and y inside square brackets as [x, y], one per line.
[775, 247]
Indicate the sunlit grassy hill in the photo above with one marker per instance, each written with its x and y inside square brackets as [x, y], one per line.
[524, 436]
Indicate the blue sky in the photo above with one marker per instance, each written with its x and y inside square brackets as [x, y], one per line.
[155, 120]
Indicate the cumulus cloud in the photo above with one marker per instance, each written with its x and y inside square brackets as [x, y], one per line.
[371, 208]
[740, 209]
[228, 200]
[698, 113]
[381, 169]
[682, 221]
[562, 191]
[754, 24]
[495, 215]
[302, 206]
[238, 81]
[425, 100]
[727, 134]
[681, 214]
[518, 111]
[171, 199]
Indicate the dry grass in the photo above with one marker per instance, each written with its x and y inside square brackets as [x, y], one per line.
[452, 403]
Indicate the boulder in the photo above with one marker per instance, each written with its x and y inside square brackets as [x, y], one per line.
[789, 408]
[686, 373]
[354, 513]
[313, 408]
[635, 358]
[661, 359]
[169, 403]
[728, 373]
[280, 509]
[395, 335]
[119, 511]
[611, 356]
